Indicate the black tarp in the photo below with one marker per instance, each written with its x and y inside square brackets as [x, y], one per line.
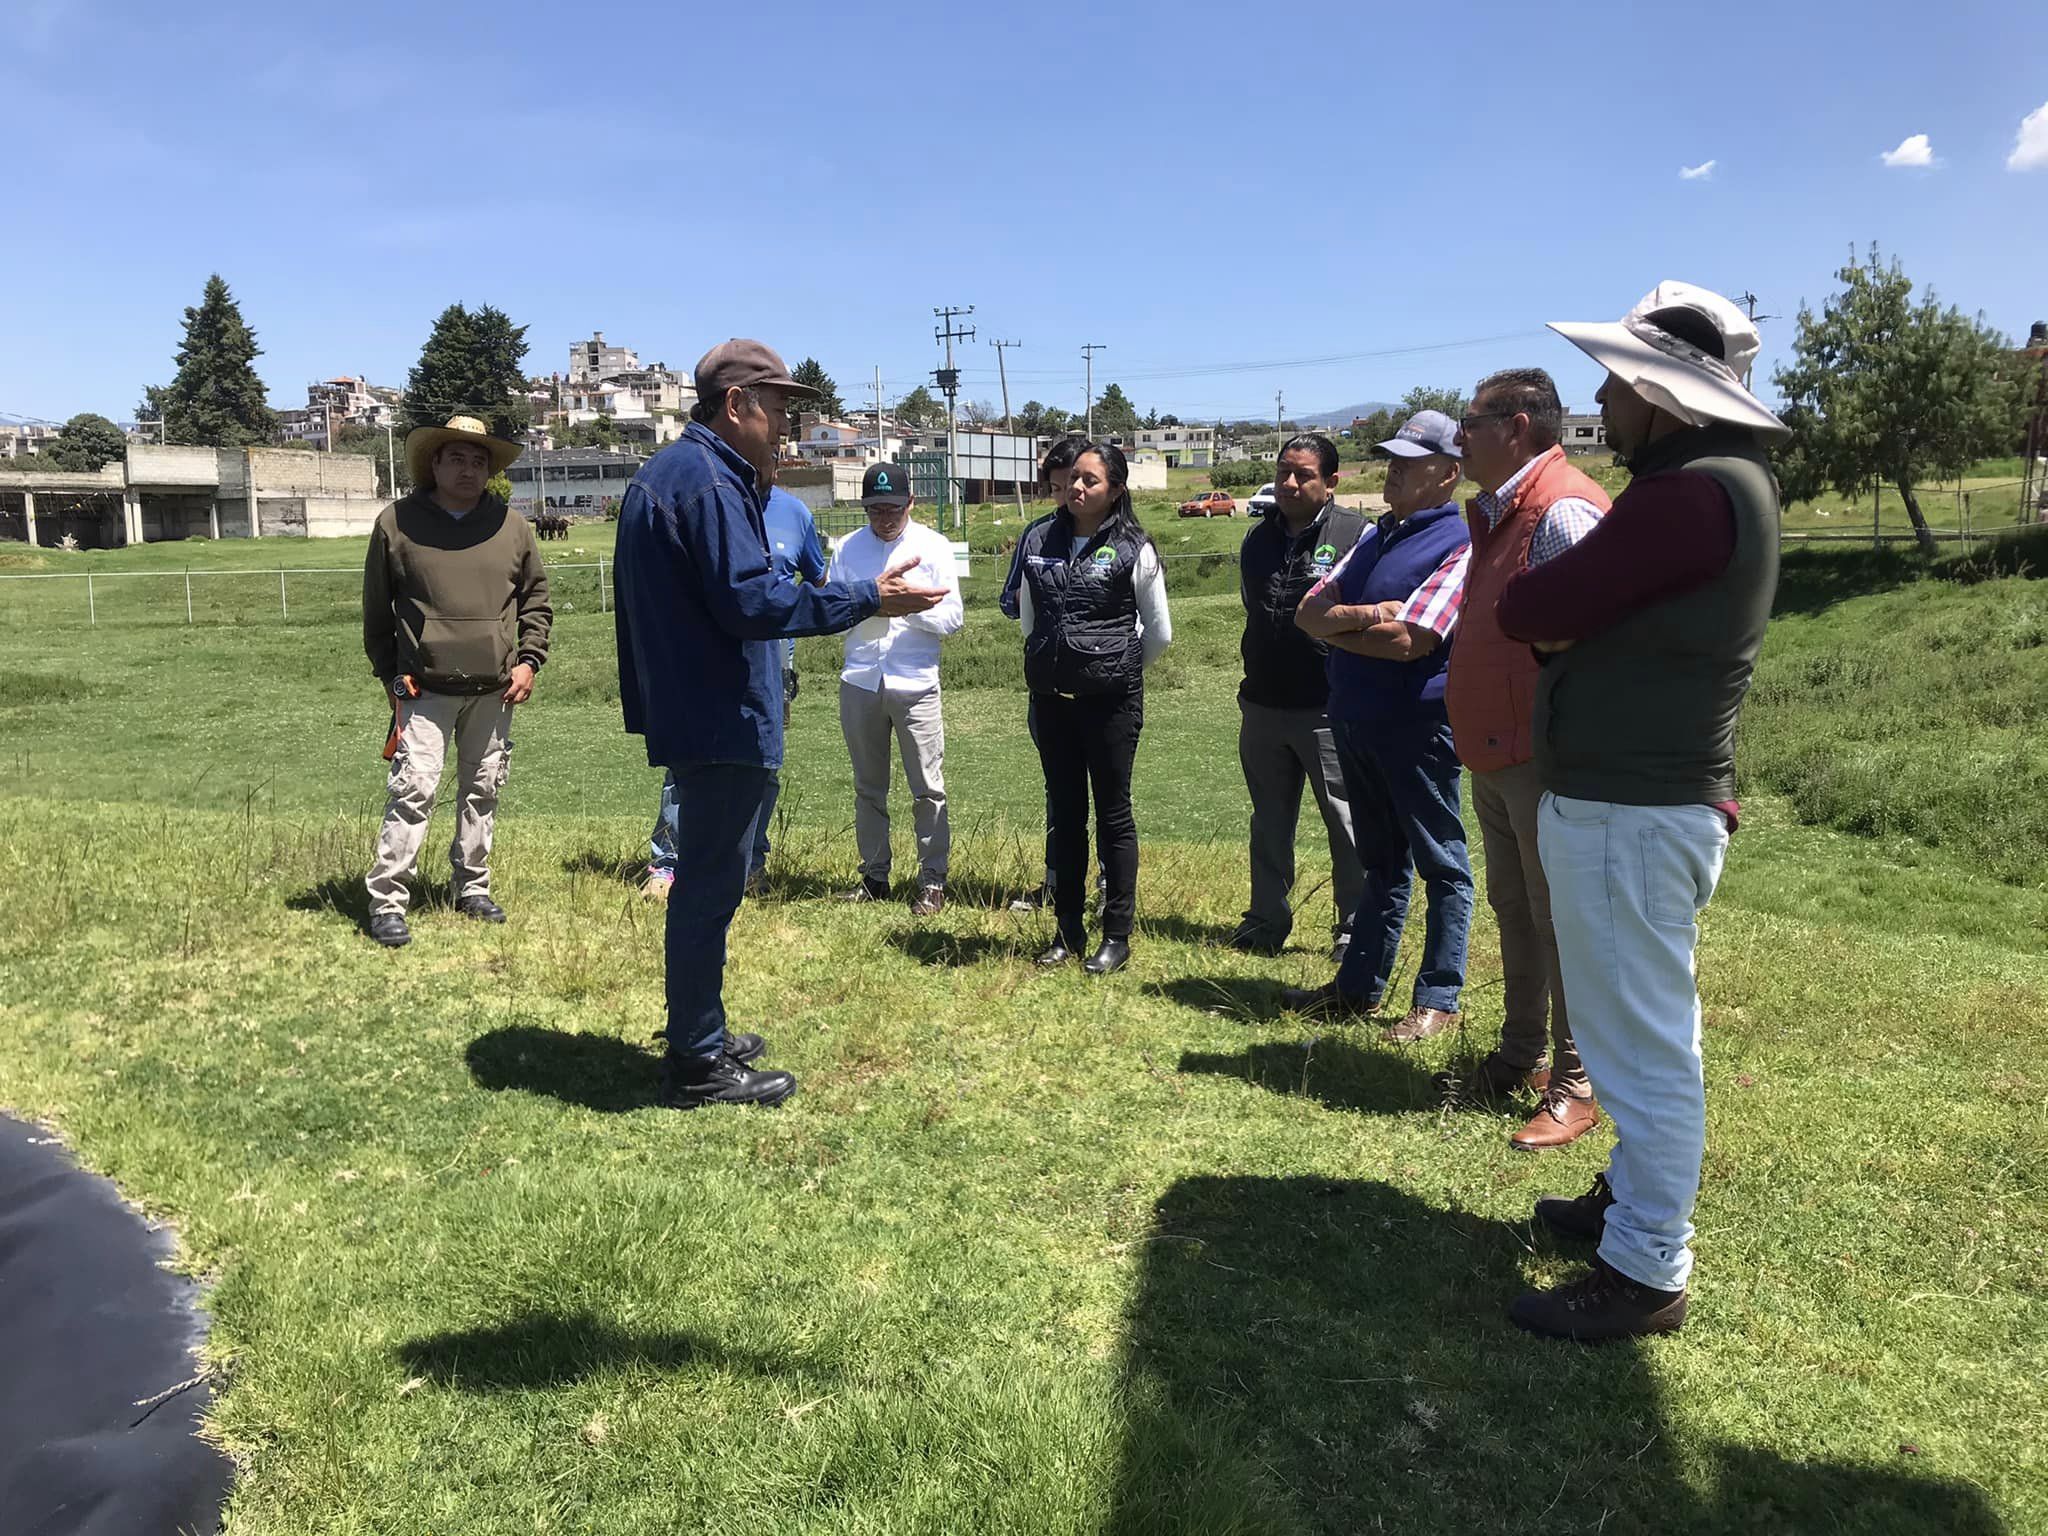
[91, 1329]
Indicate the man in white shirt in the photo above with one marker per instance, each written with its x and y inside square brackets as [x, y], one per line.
[890, 683]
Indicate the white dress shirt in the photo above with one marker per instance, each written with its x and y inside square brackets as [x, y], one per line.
[900, 654]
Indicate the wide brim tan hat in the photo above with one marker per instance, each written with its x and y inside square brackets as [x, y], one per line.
[422, 443]
[1672, 373]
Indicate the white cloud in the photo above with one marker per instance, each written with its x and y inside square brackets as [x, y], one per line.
[1704, 171]
[2030, 150]
[1912, 151]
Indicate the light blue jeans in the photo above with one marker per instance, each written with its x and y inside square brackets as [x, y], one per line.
[1627, 884]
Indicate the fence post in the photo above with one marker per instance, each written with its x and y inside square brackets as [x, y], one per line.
[188, 597]
[603, 603]
[283, 611]
[91, 616]
[1877, 518]
[1964, 496]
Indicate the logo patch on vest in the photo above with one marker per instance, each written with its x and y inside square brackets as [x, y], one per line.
[1104, 558]
[1321, 562]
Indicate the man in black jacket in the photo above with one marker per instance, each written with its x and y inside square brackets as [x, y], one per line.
[1284, 736]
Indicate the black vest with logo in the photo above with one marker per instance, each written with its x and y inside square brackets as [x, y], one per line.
[1084, 609]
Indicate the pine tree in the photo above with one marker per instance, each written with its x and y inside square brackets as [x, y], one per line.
[810, 371]
[216, 400]
[1115, 416]
[470, 366]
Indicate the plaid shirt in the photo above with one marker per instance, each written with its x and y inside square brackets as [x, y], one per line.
[1437, 602]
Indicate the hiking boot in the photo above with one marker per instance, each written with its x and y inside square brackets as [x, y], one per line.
[1254, 938]
[658, 884]
[1493, 1078]
[388, 929]
[1114, 955]
[1562, 1120]
[724, 1081]
[1604, 1305]
[869, 889]
[1326, 1002]
[1581, 1216]
[1420, 1024]
[929, 902]
[480, 909]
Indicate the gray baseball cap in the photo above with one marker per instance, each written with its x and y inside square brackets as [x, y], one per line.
[1424, 433]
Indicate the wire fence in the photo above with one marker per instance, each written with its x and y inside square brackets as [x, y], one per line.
[333, 594]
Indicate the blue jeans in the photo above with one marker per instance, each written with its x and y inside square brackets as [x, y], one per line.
[1627, 883]
[711, 848]
[1401, 777]
[661, 854]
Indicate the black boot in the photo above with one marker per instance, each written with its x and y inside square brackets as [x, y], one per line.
[388, 929]
[744, 1048]
[1063, 949]
[1584, 1216]
[1605, 1305]
[482, 908]
[1112, 956]
[724, 1081]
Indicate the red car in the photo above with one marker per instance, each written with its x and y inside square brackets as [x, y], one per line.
[1210, 504]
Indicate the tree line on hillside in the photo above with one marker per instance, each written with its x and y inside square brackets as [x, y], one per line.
[1881, 389]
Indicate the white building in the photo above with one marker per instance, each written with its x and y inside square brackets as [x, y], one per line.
[1179, 447]
[595, 359]
[580, 482]
[1583, 434]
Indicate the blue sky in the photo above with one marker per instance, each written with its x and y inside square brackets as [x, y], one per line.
[1201, 187]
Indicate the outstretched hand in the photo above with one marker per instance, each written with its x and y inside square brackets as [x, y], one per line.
[900, 597]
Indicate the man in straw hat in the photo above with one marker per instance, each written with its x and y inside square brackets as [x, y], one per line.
[455, 622]
[700, 613]
[1652, 623]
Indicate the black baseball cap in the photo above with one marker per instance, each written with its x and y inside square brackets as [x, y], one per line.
[885, 483]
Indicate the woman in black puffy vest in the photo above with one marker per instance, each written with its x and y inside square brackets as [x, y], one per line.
[1093, 610]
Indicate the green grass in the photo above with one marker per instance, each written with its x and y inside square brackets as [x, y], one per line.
[1024, 1254]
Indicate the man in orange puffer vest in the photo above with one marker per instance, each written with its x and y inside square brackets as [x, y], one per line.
[1532, 505]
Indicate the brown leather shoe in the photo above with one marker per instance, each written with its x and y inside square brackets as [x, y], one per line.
[1606, 1304]
[1420, 1024]
[1561, 1121]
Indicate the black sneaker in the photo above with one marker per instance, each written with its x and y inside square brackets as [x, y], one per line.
[481, 908]
[867, 890]
[725, 1081]
[1583, 1216]
[388, 929]
[1605, 1305]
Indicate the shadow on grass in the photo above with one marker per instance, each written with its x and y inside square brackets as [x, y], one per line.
[1308, 1354]
[339, 895]
[600, 1072]
[1187, 930]
[542, 1350]
[626, 869]
[1336, 1073]
[1247, 999]
[935, 946]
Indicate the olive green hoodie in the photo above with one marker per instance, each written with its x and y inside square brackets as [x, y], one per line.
[453, 602]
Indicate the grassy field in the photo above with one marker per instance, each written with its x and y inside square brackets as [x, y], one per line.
[1025, 1254]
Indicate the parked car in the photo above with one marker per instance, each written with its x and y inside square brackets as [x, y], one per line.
[1210, 504]
[1261, 502]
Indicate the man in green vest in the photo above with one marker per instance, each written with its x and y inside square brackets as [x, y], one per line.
[1651, 626]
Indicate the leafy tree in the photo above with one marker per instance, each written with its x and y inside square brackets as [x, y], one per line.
[368, 442]
[155, 400]
[979, 413]
[828, 403]
[86, 442]
[500, 486]
[919, 409]
[1424, 397]
[470, 367]
[216, 400]
[1114, 413]
[1030, 418]
[601, 433]
[1054, 422]
[1883, 391]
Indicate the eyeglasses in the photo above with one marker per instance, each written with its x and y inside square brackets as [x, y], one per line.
[1465, 422]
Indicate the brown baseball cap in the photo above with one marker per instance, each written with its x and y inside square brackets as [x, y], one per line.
[739, 364]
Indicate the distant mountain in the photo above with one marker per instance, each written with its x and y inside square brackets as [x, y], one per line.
[1344, 416]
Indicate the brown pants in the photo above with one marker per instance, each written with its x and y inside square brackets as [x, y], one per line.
[1505, 801]
[477, 727]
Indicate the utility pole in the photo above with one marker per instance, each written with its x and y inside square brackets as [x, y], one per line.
[1003, 374]
[1279, 415]
[1088, 351]
[880, 450]
[391, 456]
[1749, 301]
[949, 381]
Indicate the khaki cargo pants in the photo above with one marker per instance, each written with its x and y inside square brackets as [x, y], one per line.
[479, 727]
